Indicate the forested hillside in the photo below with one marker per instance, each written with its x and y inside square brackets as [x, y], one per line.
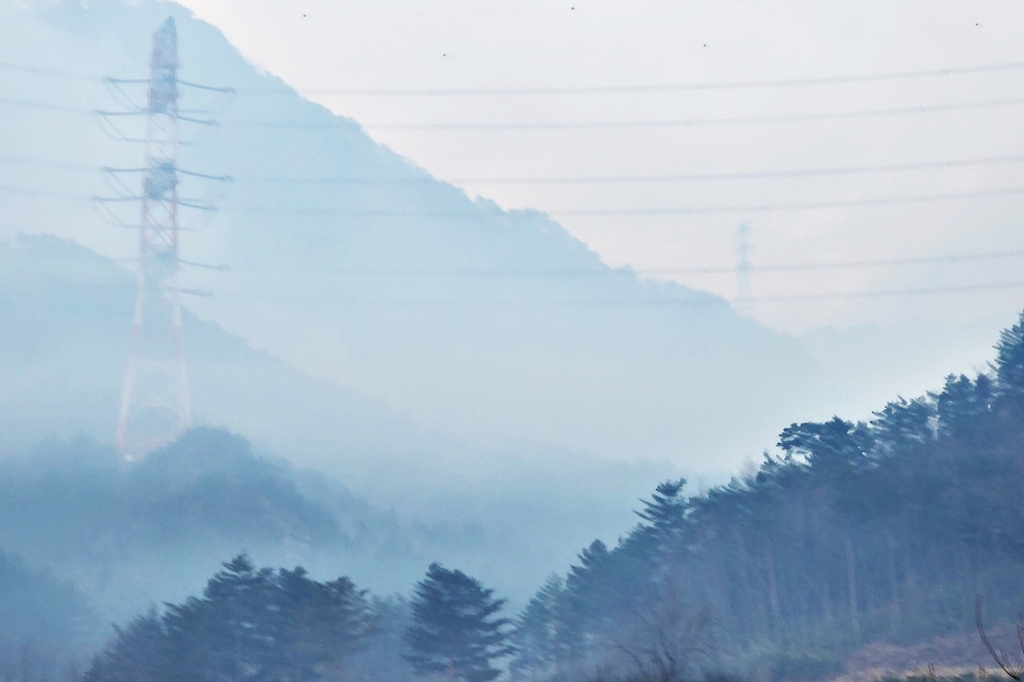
[129, 535]
[853, 532]
[412, 373]
[47, 628]
[36, 607]
[66, 316]
[853, 537]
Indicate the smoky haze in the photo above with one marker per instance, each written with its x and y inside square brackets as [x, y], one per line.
[470, 288]
[449, 309]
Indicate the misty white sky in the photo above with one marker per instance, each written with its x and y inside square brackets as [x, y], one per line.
[458, 44]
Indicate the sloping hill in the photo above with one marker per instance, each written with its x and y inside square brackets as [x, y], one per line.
[129, 535]
[356, 266]
[36, 608]
[509, 514]
[851, 533]
[64, 346]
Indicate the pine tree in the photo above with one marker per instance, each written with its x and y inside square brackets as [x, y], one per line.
[666, 517]
[535, 637]
[902, 424]
[321, 623]
[963, 406]
[138, 654]
[587, 588]
[456, 629]
[1009, 363]
[833, 448]
[666, 507]
[238, 620]
[381, 657]
[251, 624]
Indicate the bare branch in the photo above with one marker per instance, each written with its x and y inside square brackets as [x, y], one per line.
[1013, 674]
[1020, 635]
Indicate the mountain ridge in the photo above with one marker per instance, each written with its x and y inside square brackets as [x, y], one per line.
[63, 351]
[519, 332]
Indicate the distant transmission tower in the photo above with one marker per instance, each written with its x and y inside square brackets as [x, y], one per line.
[744, 271]
[155, 407]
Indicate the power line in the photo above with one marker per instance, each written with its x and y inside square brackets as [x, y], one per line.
[698, 299]
[188, 84]
[778, 267]
[93, 78]
[648, 212]
[885, 293]
[579, 213]
[688, 177]
[591, 179]
[49, 163]
[783, 267]
[796, 267]
[666, 123]
[679, 123]
[630, 272]
[43, 106]
[585, 90]
[562, 125]
[49, 194]
[797, 206]
[669, 87]
[44, 71]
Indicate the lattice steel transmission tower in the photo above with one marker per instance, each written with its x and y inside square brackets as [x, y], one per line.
[744, 271]
[155, 406]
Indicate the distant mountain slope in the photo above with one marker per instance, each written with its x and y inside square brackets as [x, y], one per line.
[64, 346]
[129, 535]
[498, 326]
[508, 514]
[37, 609]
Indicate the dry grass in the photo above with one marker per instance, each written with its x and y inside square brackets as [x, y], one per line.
[960, 658]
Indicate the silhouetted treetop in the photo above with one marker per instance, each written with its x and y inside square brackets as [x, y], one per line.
[1009, 364]
[250, 624]
[456, 628]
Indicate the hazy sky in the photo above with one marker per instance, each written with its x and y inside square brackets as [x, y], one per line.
[446, 45]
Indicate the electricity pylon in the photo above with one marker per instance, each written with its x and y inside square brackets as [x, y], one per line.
[155, 406]
[744, 269]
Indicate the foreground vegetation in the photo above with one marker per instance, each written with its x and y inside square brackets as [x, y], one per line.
[850, 534]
